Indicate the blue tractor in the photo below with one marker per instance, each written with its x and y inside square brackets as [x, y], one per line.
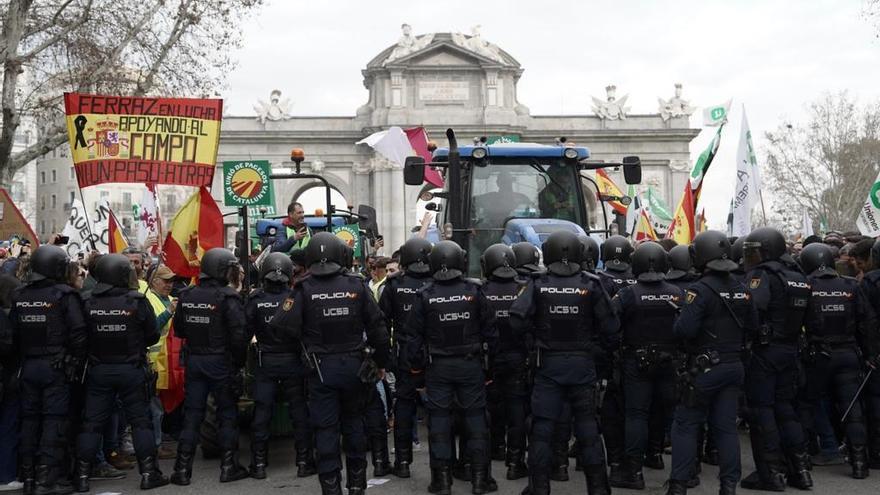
[514, 192]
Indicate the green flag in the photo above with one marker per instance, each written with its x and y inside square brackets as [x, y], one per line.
[351, 235]
[717, 114]
[658, 211]
[702, 165]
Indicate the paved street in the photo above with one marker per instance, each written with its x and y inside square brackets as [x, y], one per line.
[282, 477]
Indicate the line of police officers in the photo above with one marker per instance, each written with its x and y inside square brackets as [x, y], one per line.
[608, 354]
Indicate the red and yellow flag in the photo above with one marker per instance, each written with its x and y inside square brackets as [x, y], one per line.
[607, 187]
[117, 242]
[682, 229]
[645, 227]
[196, 228]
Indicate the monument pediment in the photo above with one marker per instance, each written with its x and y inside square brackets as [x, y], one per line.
[443, 49]
[444, 54]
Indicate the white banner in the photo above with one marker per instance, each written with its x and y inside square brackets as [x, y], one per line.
[147, 219]
[716, 115]
[868, 220]
[807, 225]
[81, 236]
[745, 194]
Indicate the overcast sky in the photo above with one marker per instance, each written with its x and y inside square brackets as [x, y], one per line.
[772, 56]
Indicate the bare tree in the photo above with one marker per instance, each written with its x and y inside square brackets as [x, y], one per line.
[871, 12]
[130, 47]
[828, 163]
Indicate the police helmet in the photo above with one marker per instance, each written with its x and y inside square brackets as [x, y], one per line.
[817, 259]
[277, 268]
[712, 251]
[216, 264]
[736, 249]
[414, 256]
[49, 262]
[650, 262]
[616, 253]
[447, 260]
[562, 253]
[498, 261]
[680, 262]
[765, 242]
[527, 257]
[590, 254]
[298, 257]
[325, 254]
[113, 270]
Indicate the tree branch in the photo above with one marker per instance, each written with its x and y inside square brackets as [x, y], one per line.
[52, 40]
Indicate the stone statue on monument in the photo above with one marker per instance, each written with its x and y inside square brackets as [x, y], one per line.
[675, 106]
[612, 108]
[408, 43]
[277, 109]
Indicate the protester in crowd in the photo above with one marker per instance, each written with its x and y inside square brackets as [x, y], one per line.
[159, 297]
[378, 275]
[861, 256]
[294, 234]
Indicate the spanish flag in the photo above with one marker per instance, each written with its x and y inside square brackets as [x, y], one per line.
[682, 228]
[195, 228]
[117, 241]
[644, 227]
[607, 187]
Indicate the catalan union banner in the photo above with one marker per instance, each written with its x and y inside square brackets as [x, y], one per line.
[145, 140]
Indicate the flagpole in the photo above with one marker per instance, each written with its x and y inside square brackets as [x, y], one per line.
[763, 211]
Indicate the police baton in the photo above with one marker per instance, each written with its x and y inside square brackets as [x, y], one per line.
[856, 397]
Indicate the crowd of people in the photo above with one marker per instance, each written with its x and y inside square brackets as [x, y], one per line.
[627, 349]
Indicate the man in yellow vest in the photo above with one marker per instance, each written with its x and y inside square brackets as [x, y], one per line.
[137, 259]
[159, 297]
[295, 233]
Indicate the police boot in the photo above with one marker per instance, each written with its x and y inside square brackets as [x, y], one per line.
[858, 457]
[629, 477]
[499, 450]
[676, 487]
[559, 466]
[183, 466]
[81, 472]
[727, 487]
[381, 465]
[356, 472]
[799, 470]
[259, 460]
[402, 459]
[48, 483]
[768, 476]
[28, 476]
[441, 481]
[331, 483]
[516, 465]
[151, 477]
[597, 480]
[230, 469]
[539, 484]
[654, 460]
[462, 470]
[305, 462]
[480, 480]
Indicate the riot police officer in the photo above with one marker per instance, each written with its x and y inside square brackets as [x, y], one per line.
[617, 274]
[121, 325]
[49, 328]
[452, 332]
[590, 262]
[396, 303]
[279, 369]
[510, 366]
[528, 259]
[714, 325]
[781, 295]
[647, 312]
[841, 325]
[567, 312]
[330, 311]
[681, 267]
[210, 319]
[870, 285]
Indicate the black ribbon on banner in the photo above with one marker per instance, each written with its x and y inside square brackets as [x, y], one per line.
[80, 124]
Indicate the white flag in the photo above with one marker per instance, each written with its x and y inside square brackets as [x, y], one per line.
[747, 182]
[716, 115]
[868, 220]
[392, 144]
[86, 232]
[807, 225]
[148, 221]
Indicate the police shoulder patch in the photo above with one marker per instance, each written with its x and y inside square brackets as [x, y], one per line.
[288, 304]
[755, 282]
[690, 296]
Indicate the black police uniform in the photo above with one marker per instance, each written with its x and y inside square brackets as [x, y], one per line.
[781, 296]
[121, 325]
[509, 373]
[50, 329]
[330, 315]
[714, 325]
[649, 356]
[396, 303]
[870, 286]
[280, 372]
[210, 318]
[449, 324]
[567, 316]
[842, 327]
